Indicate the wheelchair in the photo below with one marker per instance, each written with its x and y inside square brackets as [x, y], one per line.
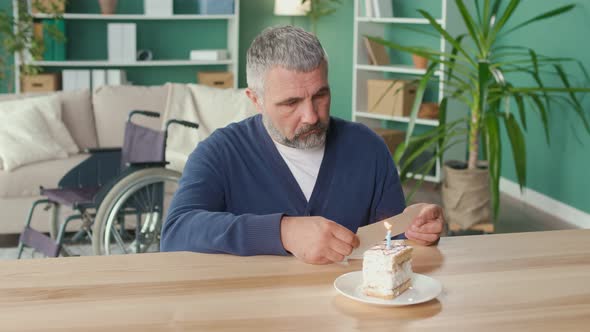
[118, 195]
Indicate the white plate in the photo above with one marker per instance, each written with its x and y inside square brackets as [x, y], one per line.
[423, 289]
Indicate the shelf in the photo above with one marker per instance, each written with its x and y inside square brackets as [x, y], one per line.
[114, 17]
[397, 20]
[399, 69]
[426, 122]
[154, 63]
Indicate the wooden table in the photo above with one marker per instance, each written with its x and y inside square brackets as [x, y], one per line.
[517, 282]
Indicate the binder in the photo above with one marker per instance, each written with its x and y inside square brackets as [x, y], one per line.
[115, 42]
[129, 46]
[99, 78]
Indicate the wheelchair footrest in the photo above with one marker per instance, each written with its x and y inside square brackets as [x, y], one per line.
[40, 242]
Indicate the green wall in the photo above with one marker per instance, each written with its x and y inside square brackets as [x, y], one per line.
[561, 170]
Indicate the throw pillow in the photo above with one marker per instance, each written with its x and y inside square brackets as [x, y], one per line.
[50, 108]
[25, 138]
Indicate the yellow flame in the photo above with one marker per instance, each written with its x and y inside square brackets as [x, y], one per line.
[387, 225]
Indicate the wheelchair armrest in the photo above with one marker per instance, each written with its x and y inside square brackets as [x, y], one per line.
[101, 150]
[148, 164]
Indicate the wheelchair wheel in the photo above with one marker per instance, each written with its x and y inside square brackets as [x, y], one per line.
[129, 219]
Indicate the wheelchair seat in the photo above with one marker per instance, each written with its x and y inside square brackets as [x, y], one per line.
[72, 197]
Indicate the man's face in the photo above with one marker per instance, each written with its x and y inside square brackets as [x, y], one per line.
[295, 106]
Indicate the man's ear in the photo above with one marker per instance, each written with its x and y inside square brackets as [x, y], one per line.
[254, 99]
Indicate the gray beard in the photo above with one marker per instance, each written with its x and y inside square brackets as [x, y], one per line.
[311, 141]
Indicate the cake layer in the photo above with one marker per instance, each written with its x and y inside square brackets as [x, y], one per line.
[375, 276]
[387, 294]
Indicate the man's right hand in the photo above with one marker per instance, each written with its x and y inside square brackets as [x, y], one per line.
[317, 240]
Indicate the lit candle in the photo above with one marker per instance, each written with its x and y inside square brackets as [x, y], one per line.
[388, 226]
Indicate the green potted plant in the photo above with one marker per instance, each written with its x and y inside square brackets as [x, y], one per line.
[18, 37]
[476, 73]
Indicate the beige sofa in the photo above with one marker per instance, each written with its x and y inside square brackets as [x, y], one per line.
[94, 120]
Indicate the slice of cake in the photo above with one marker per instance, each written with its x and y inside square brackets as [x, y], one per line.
[387, 272]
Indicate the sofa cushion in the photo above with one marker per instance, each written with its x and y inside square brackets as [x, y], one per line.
[25, 138]
[77, 114]
[78, 117]
[51, 109]
[25, 181]
[112, 104]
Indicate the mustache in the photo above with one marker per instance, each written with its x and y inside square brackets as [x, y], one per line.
[319, 127]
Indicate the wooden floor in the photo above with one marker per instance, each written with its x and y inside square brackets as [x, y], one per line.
[515, 216]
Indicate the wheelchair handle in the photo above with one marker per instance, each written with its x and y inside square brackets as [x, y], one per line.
[182, 123]
[144, 113]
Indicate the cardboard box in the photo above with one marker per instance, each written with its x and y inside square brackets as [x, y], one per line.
[40, 83]
[47, 5]
[390, 97]
[222, 80]
[428, 111]
[392, 138]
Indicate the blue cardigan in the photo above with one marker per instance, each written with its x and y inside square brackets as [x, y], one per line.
[236, 187]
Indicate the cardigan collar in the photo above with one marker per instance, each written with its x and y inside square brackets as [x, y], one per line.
[292, 188]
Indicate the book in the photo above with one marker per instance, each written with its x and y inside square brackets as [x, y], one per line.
[158, 7]
[48, 42]
[129, 45]
[82, 79]
[38, 33]
[116, 77]
[68, 79]
[99, 78]
[377, 54]
[59, 48]
[208, 55]
[122, 42]
[75, 79]
[115, 42]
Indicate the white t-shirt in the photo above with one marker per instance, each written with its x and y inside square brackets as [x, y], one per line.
[304, 165]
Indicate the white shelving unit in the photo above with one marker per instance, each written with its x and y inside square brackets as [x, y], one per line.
[364, 71]
[233, 24]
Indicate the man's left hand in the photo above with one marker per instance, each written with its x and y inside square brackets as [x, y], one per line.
[425, 229]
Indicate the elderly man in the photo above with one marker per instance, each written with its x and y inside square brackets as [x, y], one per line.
[291, 180]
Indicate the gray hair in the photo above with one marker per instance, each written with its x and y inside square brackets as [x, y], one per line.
[289, 47]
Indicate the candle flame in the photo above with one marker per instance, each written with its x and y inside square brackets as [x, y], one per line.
[387, 225]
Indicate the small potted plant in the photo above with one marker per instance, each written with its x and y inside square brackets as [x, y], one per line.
[18, 37]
